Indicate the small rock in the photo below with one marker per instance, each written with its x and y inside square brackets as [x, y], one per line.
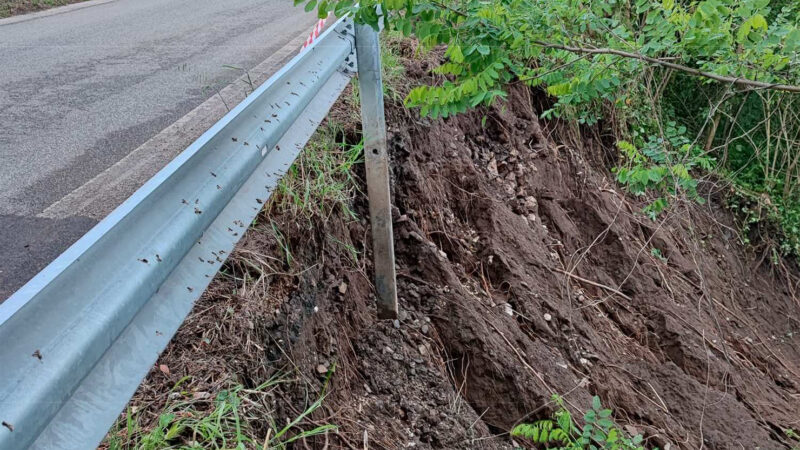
[164, 369]
[548, 317]
[396, 323]
[508, 309]
[425, 329]
[416, 236]
[322, 368]
[343, 288]
[397, 356]
[422, 350]
[492, 168]
[531, 204]
[442, 254]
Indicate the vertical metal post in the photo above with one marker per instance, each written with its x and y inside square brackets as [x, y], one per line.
[377, 164]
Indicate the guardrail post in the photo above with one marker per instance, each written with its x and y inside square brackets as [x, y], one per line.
[376, 160]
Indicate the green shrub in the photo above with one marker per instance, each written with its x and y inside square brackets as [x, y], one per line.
[598, 431]
[698, 87]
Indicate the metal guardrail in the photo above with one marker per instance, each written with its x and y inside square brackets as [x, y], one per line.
[76, 341]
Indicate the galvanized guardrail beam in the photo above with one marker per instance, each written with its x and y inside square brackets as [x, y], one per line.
[77, 339]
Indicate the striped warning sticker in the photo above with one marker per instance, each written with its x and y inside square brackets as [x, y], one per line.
[314, 33]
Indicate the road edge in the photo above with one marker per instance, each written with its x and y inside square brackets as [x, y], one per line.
[52, 11]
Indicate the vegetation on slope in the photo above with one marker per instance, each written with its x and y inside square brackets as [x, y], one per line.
[689, 90]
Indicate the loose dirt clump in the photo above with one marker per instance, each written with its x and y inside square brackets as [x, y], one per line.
[523, 271]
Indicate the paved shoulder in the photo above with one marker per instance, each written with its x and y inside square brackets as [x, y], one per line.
[28, 244]
[80, 91]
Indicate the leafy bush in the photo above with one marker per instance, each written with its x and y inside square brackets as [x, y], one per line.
[598, 431]
[694, 86]
[663, 165]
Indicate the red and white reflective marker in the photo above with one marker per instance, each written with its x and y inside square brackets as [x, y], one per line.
[314, 33]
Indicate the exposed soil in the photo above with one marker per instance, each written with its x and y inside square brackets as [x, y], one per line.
[523, 271]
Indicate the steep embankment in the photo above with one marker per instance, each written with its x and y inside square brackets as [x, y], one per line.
[523, 271]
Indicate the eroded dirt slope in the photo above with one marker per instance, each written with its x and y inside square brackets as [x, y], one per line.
[523, 271]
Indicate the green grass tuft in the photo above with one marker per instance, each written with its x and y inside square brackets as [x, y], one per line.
[189, 421]
[321, 182]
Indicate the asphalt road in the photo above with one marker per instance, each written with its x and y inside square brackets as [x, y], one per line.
[81, 89]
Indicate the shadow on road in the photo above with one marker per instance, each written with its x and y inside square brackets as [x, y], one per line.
[28, 244]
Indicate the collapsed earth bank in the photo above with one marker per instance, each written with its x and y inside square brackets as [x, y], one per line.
[523, 271]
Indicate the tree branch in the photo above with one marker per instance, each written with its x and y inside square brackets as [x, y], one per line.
[692, 71]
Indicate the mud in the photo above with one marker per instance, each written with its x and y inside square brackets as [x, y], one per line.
[523, 271]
